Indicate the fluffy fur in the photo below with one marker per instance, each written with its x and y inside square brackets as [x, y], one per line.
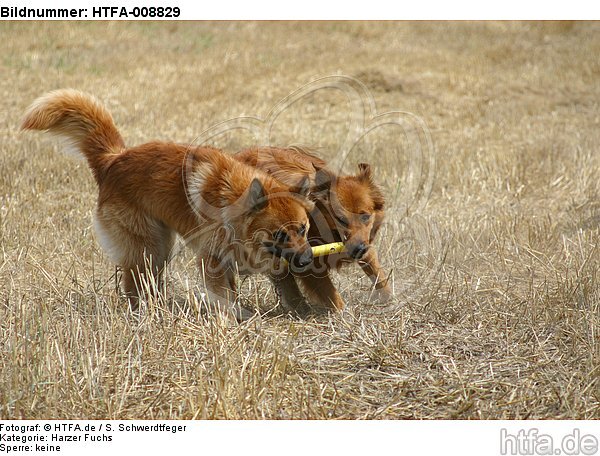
[230, 213]
[347, 208]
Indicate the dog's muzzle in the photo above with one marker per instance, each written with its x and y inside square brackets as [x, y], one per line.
[298, 261]
[358, 251]
[302, 260]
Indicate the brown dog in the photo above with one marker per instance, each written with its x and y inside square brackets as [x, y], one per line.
[347, 208]
[232, 214]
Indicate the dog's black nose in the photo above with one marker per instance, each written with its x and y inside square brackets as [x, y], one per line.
[359, 250]
[304, 259]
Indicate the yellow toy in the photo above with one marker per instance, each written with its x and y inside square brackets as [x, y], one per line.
[327, 249]
[324, 250]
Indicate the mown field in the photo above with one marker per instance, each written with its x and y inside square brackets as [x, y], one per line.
[492, 176]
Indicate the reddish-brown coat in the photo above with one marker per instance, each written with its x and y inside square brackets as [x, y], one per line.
[148, 192]
[354, 199]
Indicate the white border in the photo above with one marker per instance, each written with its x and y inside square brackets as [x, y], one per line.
[349, 10]
[348, 438]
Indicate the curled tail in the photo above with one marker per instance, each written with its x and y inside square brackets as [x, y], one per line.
[82, 120]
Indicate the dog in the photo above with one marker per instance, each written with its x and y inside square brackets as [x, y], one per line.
[348, 208]
[235, 217]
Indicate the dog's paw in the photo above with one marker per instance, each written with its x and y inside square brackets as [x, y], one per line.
[382, 295]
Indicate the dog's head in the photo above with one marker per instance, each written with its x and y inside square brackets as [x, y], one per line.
[279, 220]
[354, 207]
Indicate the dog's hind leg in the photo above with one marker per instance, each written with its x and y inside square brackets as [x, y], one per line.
[139, 244]
[370, 265]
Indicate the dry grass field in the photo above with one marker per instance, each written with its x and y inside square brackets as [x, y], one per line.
[495, 267]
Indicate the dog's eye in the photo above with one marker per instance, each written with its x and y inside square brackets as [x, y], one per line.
[343, 221]
[302, 230]
[364, 218]
[281, 236]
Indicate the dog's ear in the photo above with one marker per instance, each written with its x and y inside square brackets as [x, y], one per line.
[257, 198]
[377, 222]
[377, 196]
[303, 187]
[364, 171]
[378, 200]
[324, 179]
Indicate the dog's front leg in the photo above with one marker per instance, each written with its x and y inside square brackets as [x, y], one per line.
[290, 296]
[219, 279]
[322, 292]
[371, 267]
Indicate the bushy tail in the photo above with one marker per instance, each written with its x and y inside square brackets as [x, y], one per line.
[81, 120]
